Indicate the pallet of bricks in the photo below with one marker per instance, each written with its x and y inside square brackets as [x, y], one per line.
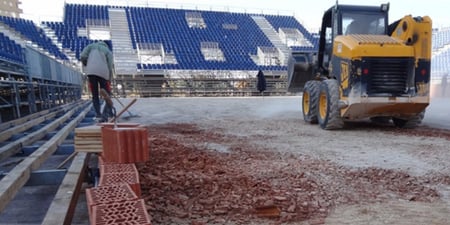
[117, 198]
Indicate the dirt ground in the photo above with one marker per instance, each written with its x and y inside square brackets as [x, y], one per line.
[255, 161]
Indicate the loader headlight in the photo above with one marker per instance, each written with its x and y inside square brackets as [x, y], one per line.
[359, 71]
[357, 68]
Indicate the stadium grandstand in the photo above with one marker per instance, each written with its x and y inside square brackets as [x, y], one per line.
[157, 52]
[167, 52]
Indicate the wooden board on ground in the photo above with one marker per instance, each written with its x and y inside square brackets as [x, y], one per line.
[88, 130]
[95, 149]
[84, 141]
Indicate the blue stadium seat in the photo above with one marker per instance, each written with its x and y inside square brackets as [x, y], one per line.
[11, 51]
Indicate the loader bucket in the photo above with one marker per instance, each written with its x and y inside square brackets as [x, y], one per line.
[300, 71]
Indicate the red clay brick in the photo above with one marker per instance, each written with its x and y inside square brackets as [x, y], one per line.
[143, 153]
[121, 213]
[131, 139]
[125, 145]
[109, 194]
[111, 179]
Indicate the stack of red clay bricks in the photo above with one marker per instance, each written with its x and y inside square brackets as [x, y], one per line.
[117, 199]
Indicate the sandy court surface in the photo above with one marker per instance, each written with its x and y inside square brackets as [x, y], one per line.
[262, 164]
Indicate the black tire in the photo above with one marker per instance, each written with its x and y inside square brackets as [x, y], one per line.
[410, 123]
[310, 100]
[329, 116]
[381, 119]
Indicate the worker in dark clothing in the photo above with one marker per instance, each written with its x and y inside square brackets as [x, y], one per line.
[261, 81]
[97, 60]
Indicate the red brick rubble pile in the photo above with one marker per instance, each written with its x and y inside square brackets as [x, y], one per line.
[204, 176]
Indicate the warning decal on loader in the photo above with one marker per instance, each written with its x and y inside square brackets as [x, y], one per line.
[344, 75]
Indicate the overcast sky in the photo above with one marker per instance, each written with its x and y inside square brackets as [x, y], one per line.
[308, 12]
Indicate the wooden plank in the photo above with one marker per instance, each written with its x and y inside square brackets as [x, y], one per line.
[18, 176]
[88, 143]
[67, 160]
[9, 124]
[93, 149]
[88, 129]
[63, 206]
[89, 134]
[13, 147]
[81, 142]
[88, 146]
[5, 135]
[88, 137]
[91, 137]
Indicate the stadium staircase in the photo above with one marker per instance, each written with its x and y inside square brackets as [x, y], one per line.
[272, 35]
[125, 56]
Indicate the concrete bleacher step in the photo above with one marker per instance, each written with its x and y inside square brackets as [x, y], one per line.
[125, 57]
[273, 36]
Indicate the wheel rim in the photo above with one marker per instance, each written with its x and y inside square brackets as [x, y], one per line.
[306, 100]
[323, 105]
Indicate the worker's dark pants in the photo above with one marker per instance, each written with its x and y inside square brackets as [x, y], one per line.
[94, 83]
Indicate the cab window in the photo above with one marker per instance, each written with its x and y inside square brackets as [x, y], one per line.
[367, 23]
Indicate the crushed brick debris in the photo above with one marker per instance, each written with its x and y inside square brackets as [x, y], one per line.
[188, 180]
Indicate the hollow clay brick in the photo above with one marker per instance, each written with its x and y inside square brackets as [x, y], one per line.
[109, 194]
[118, 168]
[111, 179]
[125, 145]
[121, 213]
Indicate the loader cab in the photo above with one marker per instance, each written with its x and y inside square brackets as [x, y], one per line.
[349, 20]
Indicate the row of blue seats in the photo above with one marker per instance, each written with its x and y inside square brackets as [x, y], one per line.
[174, 32]
[169, 27]
[78, 13]
[210, 66]
[10, 50]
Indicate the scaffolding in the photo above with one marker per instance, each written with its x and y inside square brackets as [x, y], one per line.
[43, 84]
